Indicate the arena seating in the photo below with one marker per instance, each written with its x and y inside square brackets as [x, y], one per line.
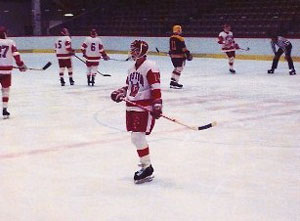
[254, 18]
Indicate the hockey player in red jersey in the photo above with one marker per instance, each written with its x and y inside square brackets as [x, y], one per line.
[64, 52]
[178, 53]
[92, 49]
[8, 53]
[228, 45]
[142, 88]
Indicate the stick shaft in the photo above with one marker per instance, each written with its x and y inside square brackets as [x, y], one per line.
[46, 66]
[115, 59]
[242, 49]
[31, 69]
[80, 59]
[164, 116]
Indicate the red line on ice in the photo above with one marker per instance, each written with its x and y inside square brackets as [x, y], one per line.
[57, 148]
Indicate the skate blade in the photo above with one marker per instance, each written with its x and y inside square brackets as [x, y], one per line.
[5, 117]
[174, 87]
[145, 180]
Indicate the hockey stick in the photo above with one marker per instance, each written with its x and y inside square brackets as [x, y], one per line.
[46, 66]
[168, 54]
[159, 52]
[242, 49]
[245, 49]
[203, 127]
[115, 59]
[80, 59]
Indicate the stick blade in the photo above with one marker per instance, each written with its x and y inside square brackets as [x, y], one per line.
[47, 65]
[157, 50]
[213, 124]
[106, 75]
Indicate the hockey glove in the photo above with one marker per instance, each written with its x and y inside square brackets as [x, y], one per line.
[119, 94]
[106, 58]
[72, 52]
[22, 67]
[157, 109]
[84, 53]
[236, 46]
[189, 56]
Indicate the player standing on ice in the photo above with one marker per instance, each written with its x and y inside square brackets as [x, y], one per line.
[8, 53]
[228, 45]
[178, 53]
[142, 88]
[284, 46]
[92, 49]
[64, 52]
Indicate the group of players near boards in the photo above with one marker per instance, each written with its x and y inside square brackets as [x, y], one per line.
[141, 92]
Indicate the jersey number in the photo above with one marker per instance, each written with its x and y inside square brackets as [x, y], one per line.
[173, 45]
[3, 51]
[59, 44]
[93, 47]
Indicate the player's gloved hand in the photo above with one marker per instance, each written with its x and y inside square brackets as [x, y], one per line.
[83, 53]
[157, 109]
[72, 52]
[22, 67]
[189, 56]
[236, 46]
[119, 94]
[106, 57]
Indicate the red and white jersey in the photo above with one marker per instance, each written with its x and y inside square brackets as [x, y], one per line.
[92, 49]
[8, 53]
[63, 47]
[227, 41]
[143, 85]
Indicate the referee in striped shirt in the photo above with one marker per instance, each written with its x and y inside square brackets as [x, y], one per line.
[284, 46]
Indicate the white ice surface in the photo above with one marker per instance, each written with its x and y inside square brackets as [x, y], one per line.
[65, 154]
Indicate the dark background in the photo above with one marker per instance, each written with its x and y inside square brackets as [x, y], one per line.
[256, 18]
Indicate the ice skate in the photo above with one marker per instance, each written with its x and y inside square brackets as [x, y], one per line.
[71, 81]
[232, 71]
[93, 80]
[5, 113]
[144, 175]
[271, 71]
[175, 85]
[89, 80]
[62, 82]
[292, 72]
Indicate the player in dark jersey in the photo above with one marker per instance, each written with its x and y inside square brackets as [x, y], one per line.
[178, 53]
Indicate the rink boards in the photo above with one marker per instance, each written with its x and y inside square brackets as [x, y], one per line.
[260, 48]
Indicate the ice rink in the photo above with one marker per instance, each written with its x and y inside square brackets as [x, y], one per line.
[65, 154]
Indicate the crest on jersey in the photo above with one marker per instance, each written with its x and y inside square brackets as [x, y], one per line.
[138, 49]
